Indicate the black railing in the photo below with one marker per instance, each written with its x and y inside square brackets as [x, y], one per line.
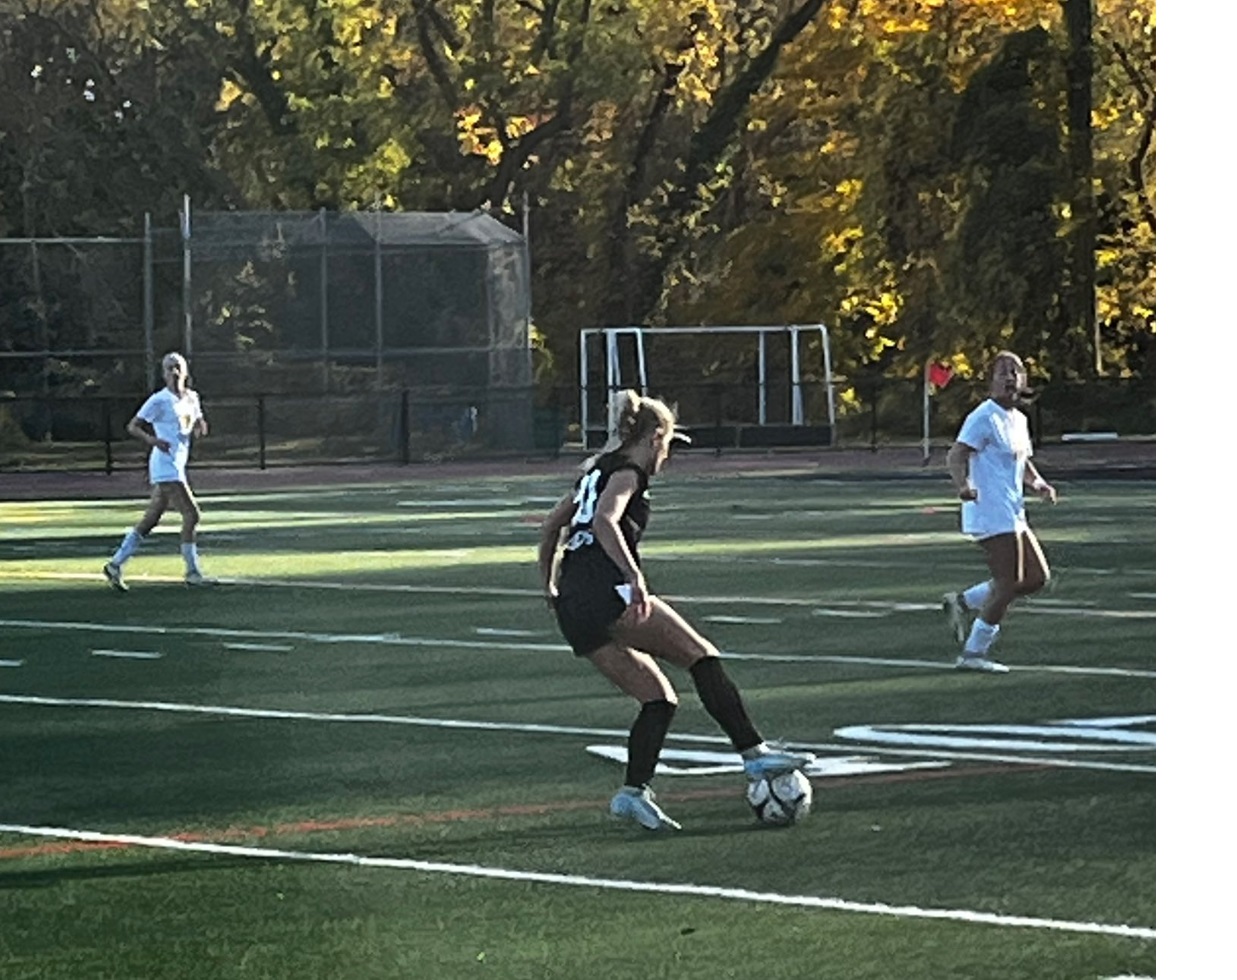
[409, 425]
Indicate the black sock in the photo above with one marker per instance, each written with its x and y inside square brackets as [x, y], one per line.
[648, 732]
[722, 700]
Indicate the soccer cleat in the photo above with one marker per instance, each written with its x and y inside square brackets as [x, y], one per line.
[639, 805]
[981, 664]
[776, 762]
[197, 578]
[115, 577]
[958, 614]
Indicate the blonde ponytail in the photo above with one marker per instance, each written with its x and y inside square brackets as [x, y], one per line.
[632, 417]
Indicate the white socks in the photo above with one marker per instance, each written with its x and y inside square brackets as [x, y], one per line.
[977, 595]
[981, 638]
[190, 553]
[128, 545]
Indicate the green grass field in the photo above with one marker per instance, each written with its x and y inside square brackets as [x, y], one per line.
[365, 753]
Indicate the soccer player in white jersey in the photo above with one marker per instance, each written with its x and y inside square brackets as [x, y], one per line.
[166, 422]
[990, 467]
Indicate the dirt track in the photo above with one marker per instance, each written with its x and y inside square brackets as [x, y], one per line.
[1059, 461]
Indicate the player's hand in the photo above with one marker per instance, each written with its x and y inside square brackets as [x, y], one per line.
[968, 493]
[163, 444]
[1047, 492]
[551, 598]
[639, 608]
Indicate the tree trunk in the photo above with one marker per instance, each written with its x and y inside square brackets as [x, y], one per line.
[1079, 69]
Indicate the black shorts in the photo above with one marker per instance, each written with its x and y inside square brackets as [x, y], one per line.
[588, 604]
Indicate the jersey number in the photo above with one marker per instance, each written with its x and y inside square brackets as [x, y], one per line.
[586, 499]
[586, 506]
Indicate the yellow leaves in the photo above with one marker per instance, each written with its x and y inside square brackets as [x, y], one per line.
[476, 139]
[392, 158]
[1107, 257]
[883, 308]
[229, 92]
[840, 242]
[849, 189]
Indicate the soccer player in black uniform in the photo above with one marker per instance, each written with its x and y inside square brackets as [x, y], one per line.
[607, 614]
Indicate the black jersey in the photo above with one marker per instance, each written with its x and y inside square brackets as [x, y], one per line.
[589, 487]
[590, 584]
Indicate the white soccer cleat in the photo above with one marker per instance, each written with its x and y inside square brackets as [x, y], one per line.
[981, 664]
[958, 615]
[115, 577]
[776, 762]
[195, 578]
[639, 805]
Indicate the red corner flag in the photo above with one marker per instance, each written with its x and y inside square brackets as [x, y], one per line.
[939, 375]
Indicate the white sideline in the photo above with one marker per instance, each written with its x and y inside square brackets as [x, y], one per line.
[919, 752]
[398, 640]
[613, 884]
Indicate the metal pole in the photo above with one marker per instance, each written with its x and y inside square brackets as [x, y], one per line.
[323, 318]
[828, 355]
[148, 298]
[261, 432]
[796, 392]
[761, 379]
[644, 374]
[378, 293]
[584, 388]
[186, 277]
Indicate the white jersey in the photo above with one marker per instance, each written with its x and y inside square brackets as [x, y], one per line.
[1002, 444]
[173, 419]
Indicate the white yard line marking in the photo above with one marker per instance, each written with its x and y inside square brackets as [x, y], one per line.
[280, 714]
[497, 631]
[259, 647]
[584, 881]
[394, 639]
[11, 663]
[743, 620]
[850, 613]
[127, 654]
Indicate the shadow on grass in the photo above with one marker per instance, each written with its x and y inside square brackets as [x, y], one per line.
[48, 877]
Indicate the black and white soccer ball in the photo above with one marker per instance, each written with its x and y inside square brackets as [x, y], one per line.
[780, 800]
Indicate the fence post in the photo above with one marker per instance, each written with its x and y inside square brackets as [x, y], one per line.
[261, 432]
[108, 465]
[405, 452]
[876, 389]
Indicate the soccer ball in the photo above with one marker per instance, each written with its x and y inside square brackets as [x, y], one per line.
[780, 800]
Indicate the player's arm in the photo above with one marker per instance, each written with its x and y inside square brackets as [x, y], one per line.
[144, 431]
[958, 461]
[610, 508]
[557, 521]
[1037, 484]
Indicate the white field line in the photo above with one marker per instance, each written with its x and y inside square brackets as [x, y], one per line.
[822, 606]
[259, 647]
[11, 663]
[584, 881]
[127, 654]
[397, 640]
[230, 711]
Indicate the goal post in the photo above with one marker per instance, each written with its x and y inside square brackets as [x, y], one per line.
[629, 345]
